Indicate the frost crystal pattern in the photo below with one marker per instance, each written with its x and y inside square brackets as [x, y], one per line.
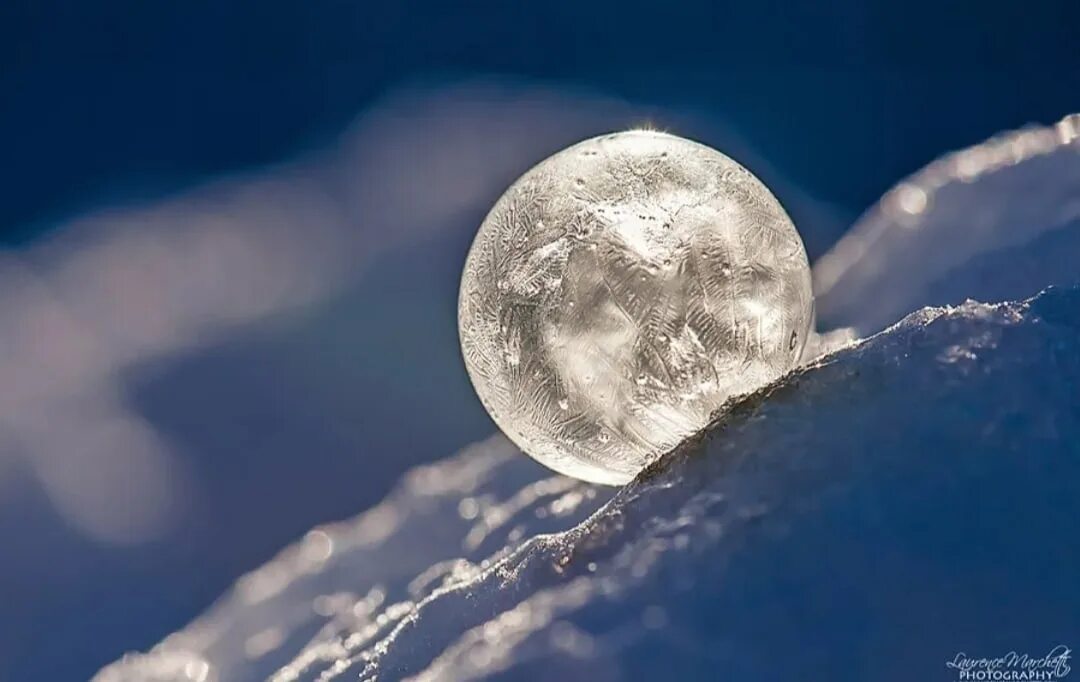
[620, 292]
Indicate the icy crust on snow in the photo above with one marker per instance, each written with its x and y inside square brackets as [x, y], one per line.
[344, 587]
[868, 517]
[995, 222]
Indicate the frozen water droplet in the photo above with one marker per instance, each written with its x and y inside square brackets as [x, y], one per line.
[644, 280]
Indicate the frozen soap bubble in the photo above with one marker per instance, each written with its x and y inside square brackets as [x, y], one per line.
[620, 292]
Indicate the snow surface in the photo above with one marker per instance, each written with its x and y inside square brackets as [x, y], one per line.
[903, 499]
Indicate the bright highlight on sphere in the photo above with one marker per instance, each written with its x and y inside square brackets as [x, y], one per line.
[620, 292]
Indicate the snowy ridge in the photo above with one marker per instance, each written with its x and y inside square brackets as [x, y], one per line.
[997, 221]
[713, 556]
[897, 501]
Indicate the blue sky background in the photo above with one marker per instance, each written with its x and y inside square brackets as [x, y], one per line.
[110, 100]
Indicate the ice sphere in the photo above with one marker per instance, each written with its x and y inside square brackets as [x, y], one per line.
[620, 292]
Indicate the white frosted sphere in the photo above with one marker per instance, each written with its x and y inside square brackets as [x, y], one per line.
[620, 292]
